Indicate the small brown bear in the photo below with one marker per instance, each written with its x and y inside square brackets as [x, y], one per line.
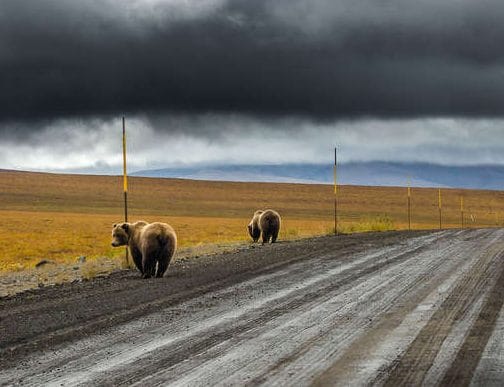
[266, 224]
[149, 243]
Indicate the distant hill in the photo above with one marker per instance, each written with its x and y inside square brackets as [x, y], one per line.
[364, 173]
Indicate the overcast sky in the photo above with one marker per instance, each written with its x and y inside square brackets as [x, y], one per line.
[242, 81]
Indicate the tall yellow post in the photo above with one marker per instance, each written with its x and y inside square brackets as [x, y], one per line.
[409, 205]
[462, 211]
[439, 206]
[335, 192]
[125, 175]
[125, 181]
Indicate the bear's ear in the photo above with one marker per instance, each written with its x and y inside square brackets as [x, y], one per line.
[125, 226]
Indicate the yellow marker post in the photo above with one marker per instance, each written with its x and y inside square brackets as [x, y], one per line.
[125, 181]
[409, 204]
[439, 206]
[125, 175]
[462, 211]
[335, 192]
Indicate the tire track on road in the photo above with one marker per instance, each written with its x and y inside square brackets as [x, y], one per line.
[462, 369]
[435, 273]
[413, 365]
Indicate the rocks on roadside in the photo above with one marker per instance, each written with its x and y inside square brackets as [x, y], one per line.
[44, 262]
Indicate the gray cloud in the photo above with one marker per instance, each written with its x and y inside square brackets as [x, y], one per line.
[321, 60]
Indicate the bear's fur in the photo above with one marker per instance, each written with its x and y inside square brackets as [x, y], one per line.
[148, 243]
[265, 224]
[253, 226]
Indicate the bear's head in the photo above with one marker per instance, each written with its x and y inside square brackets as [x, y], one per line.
[254, 231]
[120, 234]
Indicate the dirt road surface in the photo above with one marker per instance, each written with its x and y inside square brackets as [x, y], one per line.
[386, 309]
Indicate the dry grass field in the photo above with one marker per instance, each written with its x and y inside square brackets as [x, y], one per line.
[61, 217]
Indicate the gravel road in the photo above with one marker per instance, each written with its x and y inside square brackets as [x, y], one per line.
[382, 308]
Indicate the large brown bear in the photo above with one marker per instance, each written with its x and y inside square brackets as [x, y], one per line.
[148, 244]
[266, 224]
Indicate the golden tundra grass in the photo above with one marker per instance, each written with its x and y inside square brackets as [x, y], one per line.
[61, 217]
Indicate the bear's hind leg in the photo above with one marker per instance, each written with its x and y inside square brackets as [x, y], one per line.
[162, 267]
[165, 258]
[149, 267]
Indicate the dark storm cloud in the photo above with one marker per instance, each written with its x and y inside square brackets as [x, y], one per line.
[322, 59]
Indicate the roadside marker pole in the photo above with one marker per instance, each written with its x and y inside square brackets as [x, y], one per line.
[335, 192]
[125, 181]
[409, 205]
[439, 205]
[462, 211]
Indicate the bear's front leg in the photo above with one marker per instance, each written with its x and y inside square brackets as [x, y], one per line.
[137, 259]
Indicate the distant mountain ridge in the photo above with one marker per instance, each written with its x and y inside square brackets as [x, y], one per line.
[356, 173]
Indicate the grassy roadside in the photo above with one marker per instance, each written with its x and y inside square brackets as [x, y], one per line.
[61, 217]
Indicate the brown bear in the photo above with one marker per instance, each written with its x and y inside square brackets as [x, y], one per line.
[149, 243]
[266, 224]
